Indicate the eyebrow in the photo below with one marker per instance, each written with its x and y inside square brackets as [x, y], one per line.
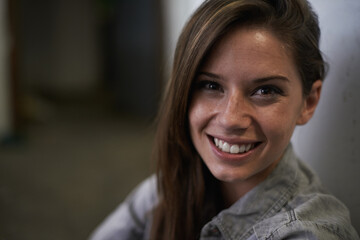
[275, 77]
[257, 80]
[212, 75]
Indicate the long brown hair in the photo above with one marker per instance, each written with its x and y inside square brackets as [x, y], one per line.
[188, 193]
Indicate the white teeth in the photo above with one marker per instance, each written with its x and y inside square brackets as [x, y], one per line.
[221, 143]
[242, 148]
[226, 147]
[234, 149]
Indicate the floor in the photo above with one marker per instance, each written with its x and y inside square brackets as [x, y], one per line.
[69, 169]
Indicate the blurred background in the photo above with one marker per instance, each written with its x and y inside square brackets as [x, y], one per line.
[80, 83]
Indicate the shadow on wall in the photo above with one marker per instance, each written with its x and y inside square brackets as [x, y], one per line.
[330, 141]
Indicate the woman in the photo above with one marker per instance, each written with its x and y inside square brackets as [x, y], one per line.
[245, 73]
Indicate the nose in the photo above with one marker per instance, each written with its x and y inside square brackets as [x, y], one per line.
[235, 112]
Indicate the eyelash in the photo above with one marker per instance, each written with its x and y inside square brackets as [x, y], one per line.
[209, 85]
[272, 90]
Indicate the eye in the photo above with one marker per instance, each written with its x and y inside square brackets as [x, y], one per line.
[209, 85]
[268, 91]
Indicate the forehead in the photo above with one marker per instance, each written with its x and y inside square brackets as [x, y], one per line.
[251, 51]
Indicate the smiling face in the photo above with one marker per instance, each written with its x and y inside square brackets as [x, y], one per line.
[247, 99]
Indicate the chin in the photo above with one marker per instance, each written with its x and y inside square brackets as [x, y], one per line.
[229, 177]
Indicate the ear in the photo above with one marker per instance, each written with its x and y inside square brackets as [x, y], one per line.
[310, 103]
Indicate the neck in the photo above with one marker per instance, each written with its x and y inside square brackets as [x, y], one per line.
[233, 191]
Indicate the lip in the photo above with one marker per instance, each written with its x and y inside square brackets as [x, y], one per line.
[229, 156]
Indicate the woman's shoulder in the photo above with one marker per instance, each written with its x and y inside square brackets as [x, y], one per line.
[144, 196]
[320, 216]
[300, 207]
[131, 219]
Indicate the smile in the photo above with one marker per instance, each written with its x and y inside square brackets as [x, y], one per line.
[233, 148]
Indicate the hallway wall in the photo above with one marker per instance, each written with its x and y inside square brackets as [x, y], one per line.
[176, 14]
[58, 46]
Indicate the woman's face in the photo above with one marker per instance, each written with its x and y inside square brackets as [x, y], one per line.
[246, 102]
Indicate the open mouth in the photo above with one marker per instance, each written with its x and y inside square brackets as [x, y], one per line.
[233, 148]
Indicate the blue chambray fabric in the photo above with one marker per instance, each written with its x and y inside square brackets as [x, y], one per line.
[290, 204]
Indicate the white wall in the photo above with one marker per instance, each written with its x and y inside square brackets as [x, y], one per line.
[5, 126]
[176, 13]
[330, 142]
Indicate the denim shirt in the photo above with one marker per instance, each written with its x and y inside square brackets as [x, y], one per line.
[289, 204]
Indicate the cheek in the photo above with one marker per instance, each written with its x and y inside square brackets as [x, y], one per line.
[199, 113]
[279, 123]
[195, 116]
[195, 113]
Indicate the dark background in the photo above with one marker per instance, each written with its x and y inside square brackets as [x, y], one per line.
[85, 84]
